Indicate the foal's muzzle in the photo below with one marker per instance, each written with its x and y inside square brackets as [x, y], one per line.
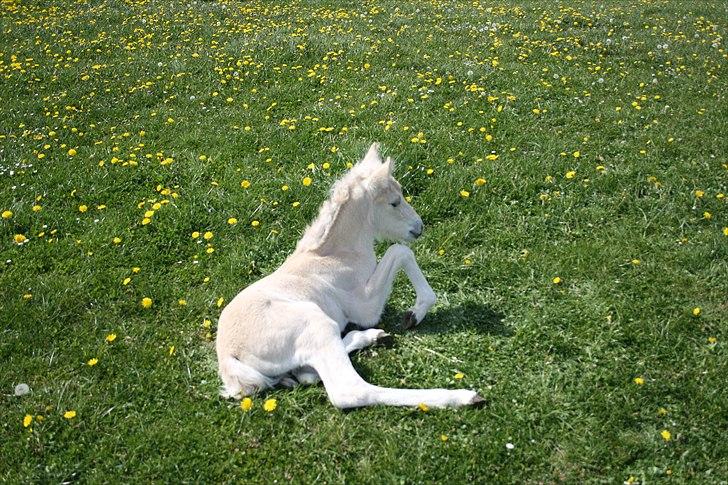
[417, 230]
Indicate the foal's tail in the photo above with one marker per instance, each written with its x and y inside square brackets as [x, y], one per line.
[241, 380]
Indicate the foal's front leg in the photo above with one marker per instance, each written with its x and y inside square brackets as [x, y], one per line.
[379, 285]
[360, 339]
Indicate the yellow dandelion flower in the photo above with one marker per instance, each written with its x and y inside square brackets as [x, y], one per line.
[27, 420]
[146, 302]
[19, 238]
[116, 240]
[699, 193]
[255, 223]
[270, 405]
[636, 262]
[640, 381]
[423, 407]
[232, 221]
[195, 235]
[7, 214]
[82, 208]
[464, 194]
[707, 215]
[208, 235]
[69, 414]
[220, 301]
[110, 338]
[557, 280]
[172, 350]
[570, 174]
[182, 302]
[245, 184]
[480, 182]
[443, 438]
[92, 362]
[459, 375]
[306, 181]
[576, 154]
[697, 311]
[246, 404]
[72, 152]
[666, 435]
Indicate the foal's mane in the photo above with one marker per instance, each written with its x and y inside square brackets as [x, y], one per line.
[318, 232]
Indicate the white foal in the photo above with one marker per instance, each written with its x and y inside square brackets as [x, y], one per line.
[290, 322]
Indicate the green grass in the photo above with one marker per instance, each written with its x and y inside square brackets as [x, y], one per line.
[143, 81]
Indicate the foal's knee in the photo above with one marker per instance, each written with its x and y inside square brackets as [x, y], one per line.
[400, 251]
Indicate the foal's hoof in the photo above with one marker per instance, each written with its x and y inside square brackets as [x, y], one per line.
[409, 320]
[386, 341]
[478, 402]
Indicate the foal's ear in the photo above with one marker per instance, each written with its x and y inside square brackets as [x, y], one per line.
[372, 159]
[378, 179]
[389, 164]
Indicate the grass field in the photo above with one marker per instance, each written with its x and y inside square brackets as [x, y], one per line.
[157, 150]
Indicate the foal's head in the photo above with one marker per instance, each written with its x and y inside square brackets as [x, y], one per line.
[391, 216]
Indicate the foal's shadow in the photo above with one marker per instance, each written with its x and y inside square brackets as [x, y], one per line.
[467, 316]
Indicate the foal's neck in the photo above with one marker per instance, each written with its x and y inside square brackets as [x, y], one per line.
[351, 232]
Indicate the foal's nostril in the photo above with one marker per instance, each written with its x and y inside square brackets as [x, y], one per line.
[417, 231]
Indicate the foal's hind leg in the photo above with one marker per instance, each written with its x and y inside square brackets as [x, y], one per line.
[327, 354]
[353, 341]
[306, 375]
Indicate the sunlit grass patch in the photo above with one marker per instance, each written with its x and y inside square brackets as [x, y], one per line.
[569, 164]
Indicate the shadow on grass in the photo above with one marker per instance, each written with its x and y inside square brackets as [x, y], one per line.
[467, 316]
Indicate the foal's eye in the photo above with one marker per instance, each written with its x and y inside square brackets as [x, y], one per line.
[395, 204]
